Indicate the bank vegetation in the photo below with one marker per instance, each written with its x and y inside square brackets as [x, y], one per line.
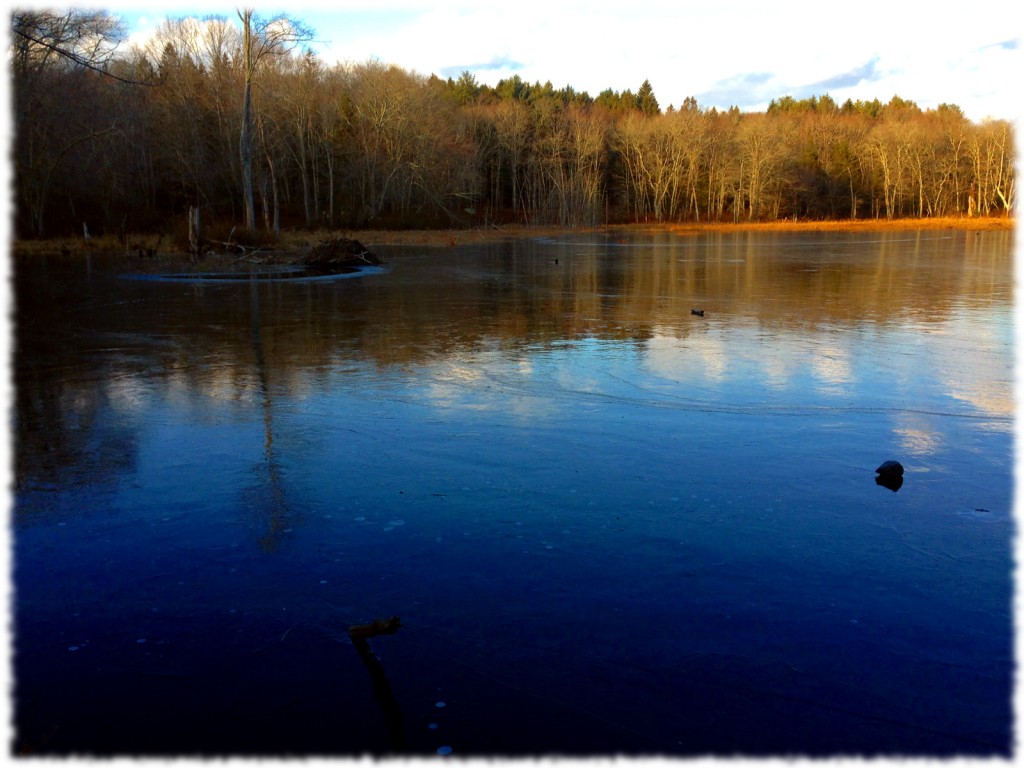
[233, 120]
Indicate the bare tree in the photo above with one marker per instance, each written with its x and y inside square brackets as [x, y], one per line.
[513, 124]
[762, 145]
[57, 59]
[572, 151]
[76, 39]
[261, 39]
[991, 156]
[890, 143]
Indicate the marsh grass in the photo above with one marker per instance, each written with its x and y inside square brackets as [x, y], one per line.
[856, 225]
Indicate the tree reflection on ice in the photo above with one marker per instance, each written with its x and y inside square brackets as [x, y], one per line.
[269, 499]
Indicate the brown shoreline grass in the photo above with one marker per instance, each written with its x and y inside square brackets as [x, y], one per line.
[856, 225]
[299, 240]
[451, 237]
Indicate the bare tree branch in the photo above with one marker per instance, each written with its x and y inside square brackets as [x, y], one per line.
[79, 60]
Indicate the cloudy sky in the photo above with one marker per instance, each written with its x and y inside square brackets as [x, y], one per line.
[722, 52]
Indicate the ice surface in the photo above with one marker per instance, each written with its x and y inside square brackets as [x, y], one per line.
[607, 525]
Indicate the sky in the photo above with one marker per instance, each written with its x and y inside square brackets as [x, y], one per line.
[721, 52]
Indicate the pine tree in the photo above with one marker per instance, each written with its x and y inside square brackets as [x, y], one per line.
[466, 89]
[645, 100]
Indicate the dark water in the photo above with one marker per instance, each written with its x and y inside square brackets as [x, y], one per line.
[608, 525]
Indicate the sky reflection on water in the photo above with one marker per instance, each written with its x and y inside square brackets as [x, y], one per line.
[607, 524]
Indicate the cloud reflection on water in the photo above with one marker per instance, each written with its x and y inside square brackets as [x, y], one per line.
[912, 322]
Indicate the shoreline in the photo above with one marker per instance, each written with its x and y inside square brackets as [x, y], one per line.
[452, 237]
[300, 240]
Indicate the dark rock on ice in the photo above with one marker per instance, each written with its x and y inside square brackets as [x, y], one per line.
[339, 252]
[890, 475]
[890, 468]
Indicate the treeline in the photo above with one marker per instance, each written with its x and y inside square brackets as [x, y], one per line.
[131, 139]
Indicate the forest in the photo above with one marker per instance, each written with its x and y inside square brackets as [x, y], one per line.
[237, 118]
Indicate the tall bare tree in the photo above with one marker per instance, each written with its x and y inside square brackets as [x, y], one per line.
[261, 38]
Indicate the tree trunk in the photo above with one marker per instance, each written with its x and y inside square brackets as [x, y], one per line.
[245, 142]
[330, 187]
[303, 163]
[193, 230]
[264, 202]
[246, 156]
[276, 227]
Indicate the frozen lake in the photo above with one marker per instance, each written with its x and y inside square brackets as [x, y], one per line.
[607, 524]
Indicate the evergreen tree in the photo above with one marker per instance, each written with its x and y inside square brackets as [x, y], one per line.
[465, 89]
[512, 88]
[645, 100]
[607, 98]
[827, 104]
